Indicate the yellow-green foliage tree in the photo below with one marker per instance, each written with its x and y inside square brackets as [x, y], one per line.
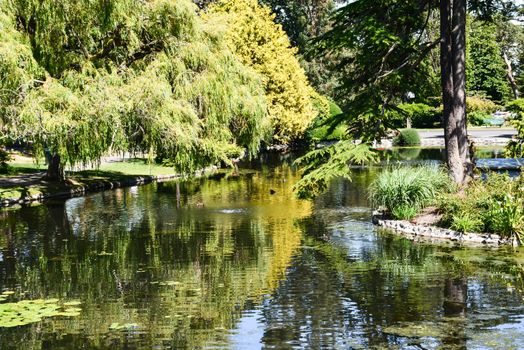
[262, 44]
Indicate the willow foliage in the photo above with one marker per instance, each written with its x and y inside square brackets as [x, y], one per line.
[131, 76]
[262, 44]
[17, 66]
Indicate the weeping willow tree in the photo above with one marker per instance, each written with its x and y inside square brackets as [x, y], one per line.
[262, 44]
[127, 76]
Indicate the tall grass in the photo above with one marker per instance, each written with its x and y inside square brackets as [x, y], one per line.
[408, 187]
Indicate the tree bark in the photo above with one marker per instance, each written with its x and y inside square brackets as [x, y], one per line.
[458, 40]
[453, 79]
[511, 78]
[55, 170]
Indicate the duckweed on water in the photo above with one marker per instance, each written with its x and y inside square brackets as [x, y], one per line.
[415, 330]
[30, 311]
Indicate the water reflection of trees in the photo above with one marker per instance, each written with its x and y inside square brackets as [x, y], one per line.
[182, 275]
[398, 294]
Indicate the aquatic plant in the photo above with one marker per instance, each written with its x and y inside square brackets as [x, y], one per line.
[408, 187]
[506, 217]
[30, 311]
[404, 212]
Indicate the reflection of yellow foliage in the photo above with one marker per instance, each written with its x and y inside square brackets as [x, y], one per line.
[286, 242]
[262, 44]
[165, 270]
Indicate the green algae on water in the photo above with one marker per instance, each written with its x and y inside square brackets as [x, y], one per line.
[30, 311]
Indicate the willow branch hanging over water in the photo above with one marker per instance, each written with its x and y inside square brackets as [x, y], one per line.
[98, 77]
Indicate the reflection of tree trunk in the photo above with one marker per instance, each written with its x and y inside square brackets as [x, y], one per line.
[55, 170]
[178, 194]
[455, 299]
[511, 78]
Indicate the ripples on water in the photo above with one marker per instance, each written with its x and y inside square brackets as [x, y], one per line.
[236, 262]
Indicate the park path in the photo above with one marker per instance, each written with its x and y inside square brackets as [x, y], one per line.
[22, 180]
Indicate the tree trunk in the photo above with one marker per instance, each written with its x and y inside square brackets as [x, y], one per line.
[55, 170]
[446, 75]
[511, 78]
[453, 79]
[458, 40]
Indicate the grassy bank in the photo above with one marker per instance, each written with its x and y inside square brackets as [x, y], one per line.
[425, 195]
[24, 179]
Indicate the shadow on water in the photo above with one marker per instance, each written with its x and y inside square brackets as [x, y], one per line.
[235, 261]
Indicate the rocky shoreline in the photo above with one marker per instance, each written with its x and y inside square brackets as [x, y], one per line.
[415, 231]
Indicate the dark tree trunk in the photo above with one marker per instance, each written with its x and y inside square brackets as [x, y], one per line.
[458, 39]
[453, 78]
[55, 170]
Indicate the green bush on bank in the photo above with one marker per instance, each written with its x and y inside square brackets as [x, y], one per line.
[495, 205]
[404, 191]
[478, 118]
[407, 137]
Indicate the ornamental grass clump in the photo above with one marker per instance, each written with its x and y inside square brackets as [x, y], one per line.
[401, 188]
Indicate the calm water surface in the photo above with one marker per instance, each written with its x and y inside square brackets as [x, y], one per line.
[237, 263]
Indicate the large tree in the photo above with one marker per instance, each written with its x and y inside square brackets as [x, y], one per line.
[453, 79]
[125, 76]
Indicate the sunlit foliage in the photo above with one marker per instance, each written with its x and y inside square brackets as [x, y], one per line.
[129, 76]
[262, 44]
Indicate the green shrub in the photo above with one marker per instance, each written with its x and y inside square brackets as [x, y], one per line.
[407, 137]
[404, 212]
[506, 217]
[466, 222]
[421, 115]
[320, 132]
[495, 205]
[480, 104]
[478, 118]
[516, 106]
[334, 109]
[408, 187]
[4, 158]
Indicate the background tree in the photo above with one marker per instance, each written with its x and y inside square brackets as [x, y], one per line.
[510, 37]
[262, 44]
[486, 70]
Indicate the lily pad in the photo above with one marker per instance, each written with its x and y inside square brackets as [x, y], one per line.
[30, 311]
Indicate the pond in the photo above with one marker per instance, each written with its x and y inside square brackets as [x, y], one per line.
[234, 261]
